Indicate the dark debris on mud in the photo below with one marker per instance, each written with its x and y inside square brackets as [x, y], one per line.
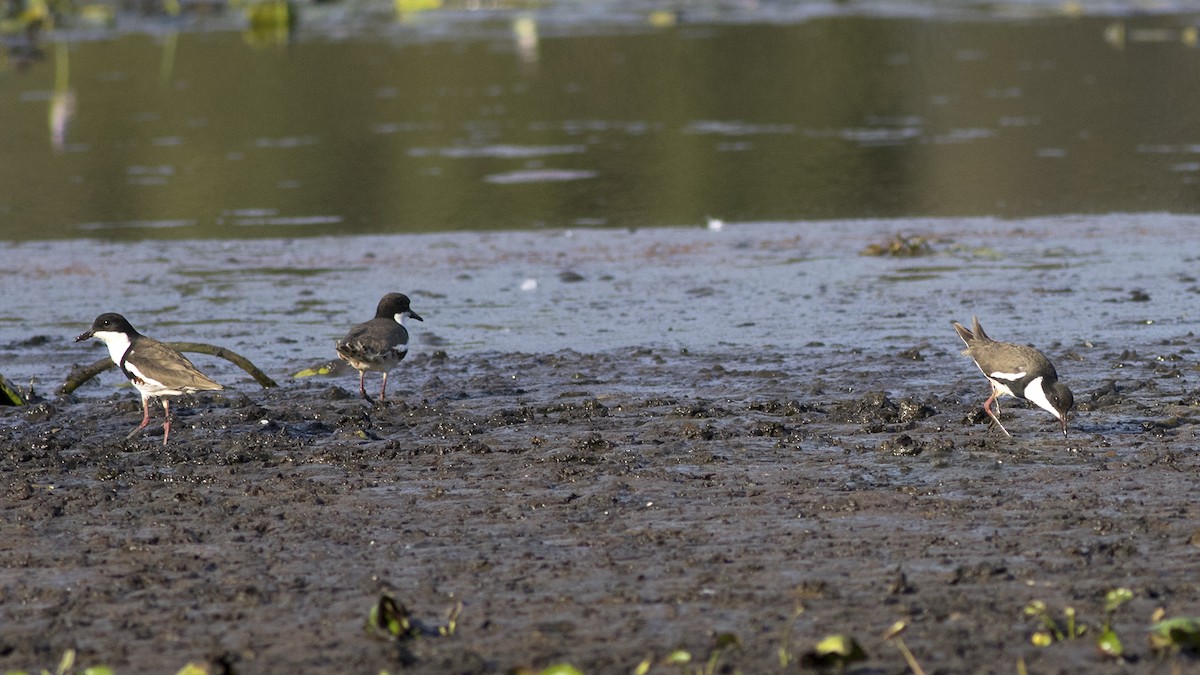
[598, 509]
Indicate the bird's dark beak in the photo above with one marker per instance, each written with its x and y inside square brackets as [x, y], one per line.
[1063, 420]
[415, 315]
[83, 336]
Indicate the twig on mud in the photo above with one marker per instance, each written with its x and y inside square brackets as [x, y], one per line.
[81, 375]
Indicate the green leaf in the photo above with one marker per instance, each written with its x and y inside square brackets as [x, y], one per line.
[1041, 639]
[389, 617]
[98, 670]
[192, 669]
[678, 657]
[1035, 608]
[1110, 645]
[68, 662]
[1181, 633]
[728, 640]
[1115, 598]
[834, 650]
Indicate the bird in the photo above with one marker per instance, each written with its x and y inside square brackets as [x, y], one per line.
[156, 370]
[378, 344]
[1016, 370]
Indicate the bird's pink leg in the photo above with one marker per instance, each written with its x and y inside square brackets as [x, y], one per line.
[362, 384]
[987, 408]
[167, 423]
[145, 418]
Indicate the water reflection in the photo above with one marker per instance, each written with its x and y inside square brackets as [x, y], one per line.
[657, 123]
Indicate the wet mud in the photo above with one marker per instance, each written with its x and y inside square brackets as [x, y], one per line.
[606, 508]
[606, 446]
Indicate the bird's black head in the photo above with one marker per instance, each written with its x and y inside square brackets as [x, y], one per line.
[395, 306]
[109, 322]
[1059, 396]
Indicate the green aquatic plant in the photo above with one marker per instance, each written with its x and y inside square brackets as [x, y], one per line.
[1052, 630]
[1071, 628]
[1108, 643]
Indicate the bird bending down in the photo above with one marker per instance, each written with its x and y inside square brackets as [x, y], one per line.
[378, 344]
[154, 369]
[1016, 370]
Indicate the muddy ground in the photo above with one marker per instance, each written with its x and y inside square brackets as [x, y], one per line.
[605, 508]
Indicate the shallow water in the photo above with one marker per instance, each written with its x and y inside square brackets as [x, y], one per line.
[1118, 282]
[470, 121]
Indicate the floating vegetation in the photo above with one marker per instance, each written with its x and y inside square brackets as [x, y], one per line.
[900, 246]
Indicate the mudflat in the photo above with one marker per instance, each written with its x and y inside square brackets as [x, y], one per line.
[610, 503]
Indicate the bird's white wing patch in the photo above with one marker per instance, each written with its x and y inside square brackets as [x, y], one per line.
[1011, 377]
[148, 385]
[1035, 393]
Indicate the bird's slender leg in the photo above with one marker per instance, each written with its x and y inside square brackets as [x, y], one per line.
[383, 389]
[987, 408]
[167, 423]
[362, 384]
[145, 418]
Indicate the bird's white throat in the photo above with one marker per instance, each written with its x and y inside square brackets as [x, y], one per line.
[1034, 392]
[117, 342]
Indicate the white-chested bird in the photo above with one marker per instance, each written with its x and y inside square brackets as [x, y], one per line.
[156, 370]
[378, 344]
[1016, 370]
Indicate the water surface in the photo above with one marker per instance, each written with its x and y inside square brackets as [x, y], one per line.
[442, 124]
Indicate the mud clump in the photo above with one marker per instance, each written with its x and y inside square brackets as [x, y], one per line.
[877, 412]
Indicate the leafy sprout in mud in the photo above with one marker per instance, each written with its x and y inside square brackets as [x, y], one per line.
[1173, 636]
[1108, 643]
[1052, 630]
[893, 635]
[685, 662]
[391, 619]
[785, 646]
[1071, 628]
[834, 651]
